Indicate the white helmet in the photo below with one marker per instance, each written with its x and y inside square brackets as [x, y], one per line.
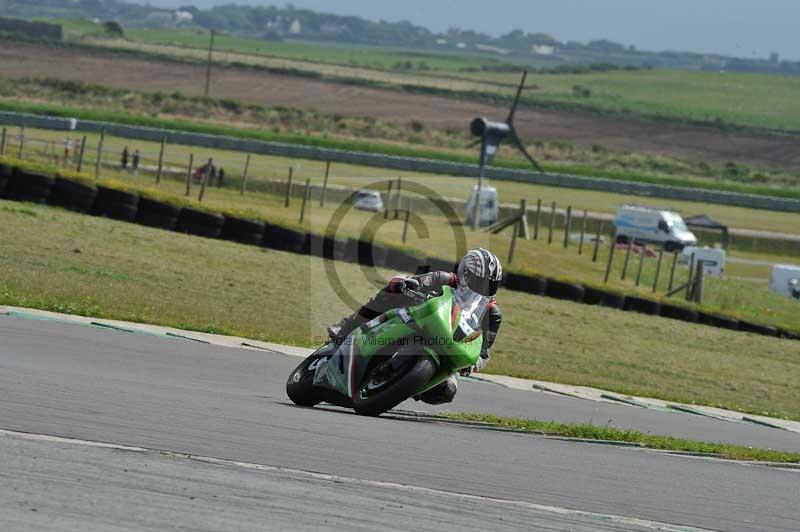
[480, 270]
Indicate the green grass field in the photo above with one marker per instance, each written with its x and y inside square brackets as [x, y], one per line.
[271, 168]
[740, 298]
[57, 260]
[747, 100]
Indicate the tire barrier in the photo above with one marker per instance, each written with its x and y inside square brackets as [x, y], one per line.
[154, 213]
[283, 239]
[715, 320]
[32, 186]
[676, 312]
[433, 264]
[562, 290]
[116, 204]
[5, 173]
[200, 223]
[642, 305]
[402, 261]
[596, 296]
[755, 328]
[530, 284]
[243, 231]
[72, 195]
[24, 185]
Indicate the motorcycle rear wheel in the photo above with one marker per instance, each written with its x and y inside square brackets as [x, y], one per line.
[398, 390]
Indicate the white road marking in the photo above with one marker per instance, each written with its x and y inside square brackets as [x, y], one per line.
[644, 524]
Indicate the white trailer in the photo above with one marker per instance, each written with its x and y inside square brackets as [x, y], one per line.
[785, 280]
[488, 210]
[650, 225]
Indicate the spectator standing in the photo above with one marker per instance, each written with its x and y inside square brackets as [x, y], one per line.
[135, 161]
[124, 158]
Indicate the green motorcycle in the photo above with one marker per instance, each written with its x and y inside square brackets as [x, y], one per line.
[400, 354]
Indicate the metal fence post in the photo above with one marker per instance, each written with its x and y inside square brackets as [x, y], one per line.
[305, 200]
[597, 242]
[658, 270]
[189, 174]
[21, 141]
[642, 253]
[672, 272]
[206, 175]
[397, 199]
[244, 175]
[513, 244]
[80, 154]
[552, 221]
[583, 232]
[325, 184]
[567, 226]
[288, 187]
[536, 220]
[691, 279]
[3, 142]
[388, 200]
[405, 223]
[699, 282]
[160, 160]
[99, 160]
[610, 261]
[524, 231]
[627, 258]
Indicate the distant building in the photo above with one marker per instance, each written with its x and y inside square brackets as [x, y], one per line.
[183, 17]
[543, 49]
[441, 41]
[493, 49]
[296, 27]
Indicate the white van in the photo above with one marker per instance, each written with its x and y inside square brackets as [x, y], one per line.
[785, 280]
[489, 210]
[368, 200]
[650, 225]
[713, 259]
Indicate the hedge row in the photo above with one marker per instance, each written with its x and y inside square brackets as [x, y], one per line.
[26, 185]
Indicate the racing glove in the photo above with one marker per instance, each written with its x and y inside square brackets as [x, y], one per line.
[407, 285]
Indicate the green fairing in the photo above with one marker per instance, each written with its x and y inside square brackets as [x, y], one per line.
[431, 330]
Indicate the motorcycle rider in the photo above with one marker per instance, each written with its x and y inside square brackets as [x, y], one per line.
[480, 270]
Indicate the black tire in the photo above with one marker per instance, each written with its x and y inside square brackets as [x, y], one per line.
[402, 261]
[621, 239]
[561, 290]
[642, 305]
[29, 186]
[116, 204]
[299, 384]
[396, 392]
[756, 328]
[73, 195]
[440, 265]
[283, 239]
[243, 231]
[5, 174]
[154, 213]
[720, 322]
[676, 312]
[669, 247]
[530, 284]
[200, 223]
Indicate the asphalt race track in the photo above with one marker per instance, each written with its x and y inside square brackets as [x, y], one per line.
[204, 439]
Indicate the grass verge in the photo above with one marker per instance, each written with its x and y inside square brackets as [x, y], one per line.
[611, 434]
[53, 259]
[384, 148]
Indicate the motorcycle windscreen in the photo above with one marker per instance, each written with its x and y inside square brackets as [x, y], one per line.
[472, 306]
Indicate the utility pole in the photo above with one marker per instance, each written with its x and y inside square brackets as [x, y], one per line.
[208, 66]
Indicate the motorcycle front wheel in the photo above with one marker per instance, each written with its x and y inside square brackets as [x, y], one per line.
[299, 386]
[382, 390]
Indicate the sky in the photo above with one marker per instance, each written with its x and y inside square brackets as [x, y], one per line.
[742, 28]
